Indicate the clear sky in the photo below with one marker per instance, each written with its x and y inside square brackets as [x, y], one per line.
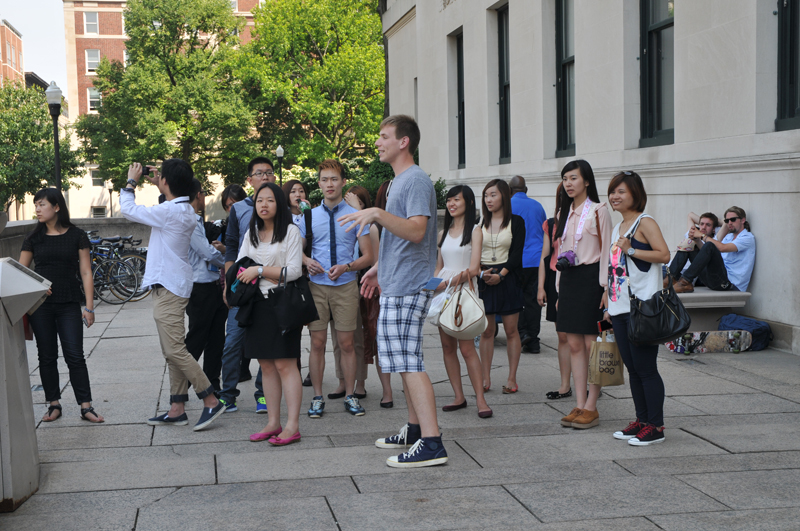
[41, 23]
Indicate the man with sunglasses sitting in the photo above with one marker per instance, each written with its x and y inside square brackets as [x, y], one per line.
[724, 262]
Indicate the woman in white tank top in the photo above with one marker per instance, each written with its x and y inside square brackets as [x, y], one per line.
[638, 249]
[459, 260]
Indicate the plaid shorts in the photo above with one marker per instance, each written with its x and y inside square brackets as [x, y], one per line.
[400, 332]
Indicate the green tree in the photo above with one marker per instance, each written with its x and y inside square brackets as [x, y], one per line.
[175, 98]
[27, 154]
[318, 67]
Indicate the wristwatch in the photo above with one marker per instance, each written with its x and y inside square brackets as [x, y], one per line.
[348, 268]
[132, 183]
[260, 271]
[631, 251]
[501, 275]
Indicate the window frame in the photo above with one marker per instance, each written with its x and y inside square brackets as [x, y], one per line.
[96, 23]
[89, 100]
[13, 57]
[504, 79]
[97, 209]
[651, 98]
[99, 57]
[788, 112]
[95, 180]
[563, 121]
[460, 102]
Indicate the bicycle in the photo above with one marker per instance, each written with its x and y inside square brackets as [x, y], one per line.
[111, 275]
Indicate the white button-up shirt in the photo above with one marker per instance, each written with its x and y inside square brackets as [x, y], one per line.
[172, 225]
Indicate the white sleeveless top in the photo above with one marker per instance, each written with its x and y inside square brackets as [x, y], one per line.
[642, 284]
[455, 257]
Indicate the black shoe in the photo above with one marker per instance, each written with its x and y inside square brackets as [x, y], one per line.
[209, 415]
[360, 396]
[307, 381]
[555, 395]
[524, 339]
[532, 348]
[166, 420]
[334, 396]
[387, 405]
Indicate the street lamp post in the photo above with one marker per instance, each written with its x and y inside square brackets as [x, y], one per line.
[53, 95]
[111, 197]
[279, 154]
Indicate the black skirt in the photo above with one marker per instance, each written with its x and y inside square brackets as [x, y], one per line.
[263, 339]
[552, 295]
[504, 298]
[579, 298]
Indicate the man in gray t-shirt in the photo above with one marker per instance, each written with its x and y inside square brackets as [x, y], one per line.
[406, 263]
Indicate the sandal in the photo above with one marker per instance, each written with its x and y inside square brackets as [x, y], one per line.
[510, 390]
[90, 410]
[555, 395]
[50, 410]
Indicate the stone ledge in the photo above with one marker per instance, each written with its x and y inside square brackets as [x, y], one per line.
[703, 297]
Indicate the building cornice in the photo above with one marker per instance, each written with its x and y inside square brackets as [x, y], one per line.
[400, 24]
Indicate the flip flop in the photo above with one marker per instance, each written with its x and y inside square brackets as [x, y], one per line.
[510, 390]
[50, 413]
[88, 410]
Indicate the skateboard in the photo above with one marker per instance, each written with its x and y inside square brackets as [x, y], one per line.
[717, 341]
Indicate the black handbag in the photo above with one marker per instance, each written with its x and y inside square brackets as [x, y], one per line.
[657, 320]
[294, 306]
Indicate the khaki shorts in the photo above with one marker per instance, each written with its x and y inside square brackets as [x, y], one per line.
[341, 301]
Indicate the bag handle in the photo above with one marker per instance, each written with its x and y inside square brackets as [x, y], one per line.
[458, 317]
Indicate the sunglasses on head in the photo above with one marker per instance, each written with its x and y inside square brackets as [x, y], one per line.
[733, 219]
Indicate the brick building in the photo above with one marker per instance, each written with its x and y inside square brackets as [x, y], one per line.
[11, 65]
[94, 30]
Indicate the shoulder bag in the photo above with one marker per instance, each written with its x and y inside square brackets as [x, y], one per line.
[463, 315]
[292, 301]
[659, 319]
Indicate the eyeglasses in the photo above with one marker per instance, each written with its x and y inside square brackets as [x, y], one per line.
[731, 220]
[259, 173]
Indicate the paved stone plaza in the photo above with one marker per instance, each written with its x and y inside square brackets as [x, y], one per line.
[731, 459]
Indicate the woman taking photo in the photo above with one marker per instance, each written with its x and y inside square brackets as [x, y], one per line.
[274, 242]
[584, 231]
[460, 260]
[549, 296]
[61, 252]
[500, 289]
[638, 249]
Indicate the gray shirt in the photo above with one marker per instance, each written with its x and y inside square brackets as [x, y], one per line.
[405, 267]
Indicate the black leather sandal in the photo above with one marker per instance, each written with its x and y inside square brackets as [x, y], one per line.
[555, 395]
[90, 410]
[50, 412]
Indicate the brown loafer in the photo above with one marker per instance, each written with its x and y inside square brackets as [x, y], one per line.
[683, 286]
[567, 421]
[587, 419]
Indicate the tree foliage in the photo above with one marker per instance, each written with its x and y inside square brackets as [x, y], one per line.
[315, 72]
[27, 154]
[175, 98]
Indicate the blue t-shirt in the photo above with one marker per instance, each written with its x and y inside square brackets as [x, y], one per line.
[321, 245]
[532, 212]
[740, 263]
[405, 267]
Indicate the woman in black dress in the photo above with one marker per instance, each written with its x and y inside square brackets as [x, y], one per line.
[61, 252]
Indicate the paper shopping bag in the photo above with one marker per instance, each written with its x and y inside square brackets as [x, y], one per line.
[605, 363]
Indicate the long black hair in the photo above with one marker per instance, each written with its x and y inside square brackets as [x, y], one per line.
[55, 198]
[469, 216]
[566, 201]
[505, 193]
[281, 222]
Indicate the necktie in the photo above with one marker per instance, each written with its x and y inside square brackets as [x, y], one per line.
[332, 230]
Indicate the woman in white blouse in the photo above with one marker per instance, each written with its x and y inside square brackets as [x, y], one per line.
[274, 242]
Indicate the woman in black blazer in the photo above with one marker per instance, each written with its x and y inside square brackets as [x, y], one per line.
[499, 283]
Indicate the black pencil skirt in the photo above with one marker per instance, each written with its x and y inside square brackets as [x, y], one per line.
[263, 339]
[579, 298]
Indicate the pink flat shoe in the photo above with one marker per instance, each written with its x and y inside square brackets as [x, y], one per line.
[277, 441]
[258, 437]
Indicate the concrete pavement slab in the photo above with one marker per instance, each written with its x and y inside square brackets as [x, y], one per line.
[595, 524]
[622, 409]
[113, 411]
[94, 436]
[589, 499]
[756, 489]
[460, 508]
[75, 503]
[127, 473]
[741, 403]
[94, 518]
[695, 384]
[707, 464]
[761, 520]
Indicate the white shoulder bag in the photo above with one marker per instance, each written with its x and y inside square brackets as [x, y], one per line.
[463, 315]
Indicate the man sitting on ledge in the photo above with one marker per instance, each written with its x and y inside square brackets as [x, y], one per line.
[722, 263]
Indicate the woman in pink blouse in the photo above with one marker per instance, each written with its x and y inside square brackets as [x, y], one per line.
[584, 232]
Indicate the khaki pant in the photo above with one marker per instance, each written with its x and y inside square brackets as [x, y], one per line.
[358, 341]
[168, 313]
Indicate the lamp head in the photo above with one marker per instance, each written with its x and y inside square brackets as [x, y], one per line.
[279, 152]
[53, 94]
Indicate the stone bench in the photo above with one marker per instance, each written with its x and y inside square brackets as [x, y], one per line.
[707, 306]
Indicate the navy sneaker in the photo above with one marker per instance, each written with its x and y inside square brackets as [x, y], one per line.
[409, 434]
[261, 405]
[630, 432]
[427, 451]
[208, 416]
[317, 407]
[165, 420]
[230, 407]
[352, 406]
[647, 436]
